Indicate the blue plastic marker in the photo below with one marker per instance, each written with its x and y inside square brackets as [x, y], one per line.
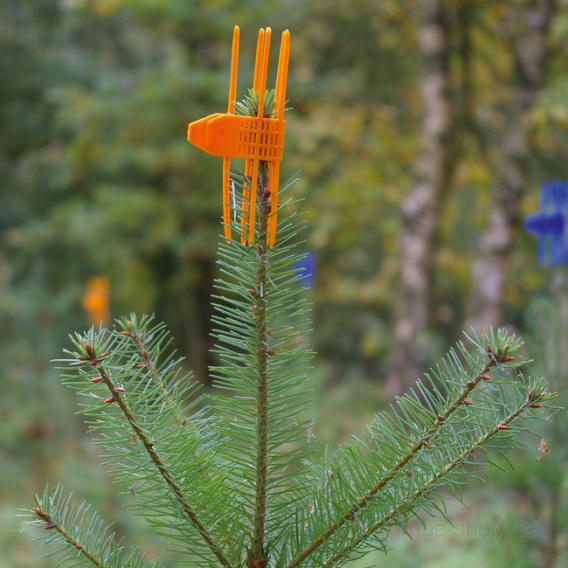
[306, 268]
[550, 224]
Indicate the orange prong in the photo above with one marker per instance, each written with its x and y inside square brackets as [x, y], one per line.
[273, 218]
[227, 198]
[253, 190]
[234, 70]
[230, 110]
[263, 75]
[282, 75]
[258, 60]
[280, 102]
[245, 206]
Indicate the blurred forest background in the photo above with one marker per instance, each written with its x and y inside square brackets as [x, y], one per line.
[421, 130]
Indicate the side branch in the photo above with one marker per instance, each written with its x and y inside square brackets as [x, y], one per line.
[118, 396]
[396, 511]
[494, 359]
[50, 523]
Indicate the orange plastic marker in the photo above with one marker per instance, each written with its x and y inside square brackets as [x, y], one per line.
[256, 139]
[96, 300]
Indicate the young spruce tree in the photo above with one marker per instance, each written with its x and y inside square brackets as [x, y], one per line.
[230, 479]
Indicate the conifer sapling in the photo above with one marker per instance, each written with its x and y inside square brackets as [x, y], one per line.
[231, 477]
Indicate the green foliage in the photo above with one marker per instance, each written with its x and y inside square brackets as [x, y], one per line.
[539, 484]
[95, 177]
[421, 446]
[191, 473]
[228, 478]
[90, 543]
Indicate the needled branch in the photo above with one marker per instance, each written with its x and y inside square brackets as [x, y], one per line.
[118, 396]
[407, 503]
[51, 524]
[421, 440]
[79, 537]
[415, 448]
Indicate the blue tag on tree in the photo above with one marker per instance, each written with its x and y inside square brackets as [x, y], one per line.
[550, 224]
[306, 268]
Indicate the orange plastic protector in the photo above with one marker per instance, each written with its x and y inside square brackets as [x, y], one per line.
[252, 138]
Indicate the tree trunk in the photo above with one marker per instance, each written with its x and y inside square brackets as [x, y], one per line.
[527, 27]
[422, 208]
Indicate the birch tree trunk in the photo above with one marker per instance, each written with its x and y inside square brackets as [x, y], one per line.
[528, 26]
[422, 208]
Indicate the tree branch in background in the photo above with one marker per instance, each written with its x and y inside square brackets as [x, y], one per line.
[527, 26]
[422, 207]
